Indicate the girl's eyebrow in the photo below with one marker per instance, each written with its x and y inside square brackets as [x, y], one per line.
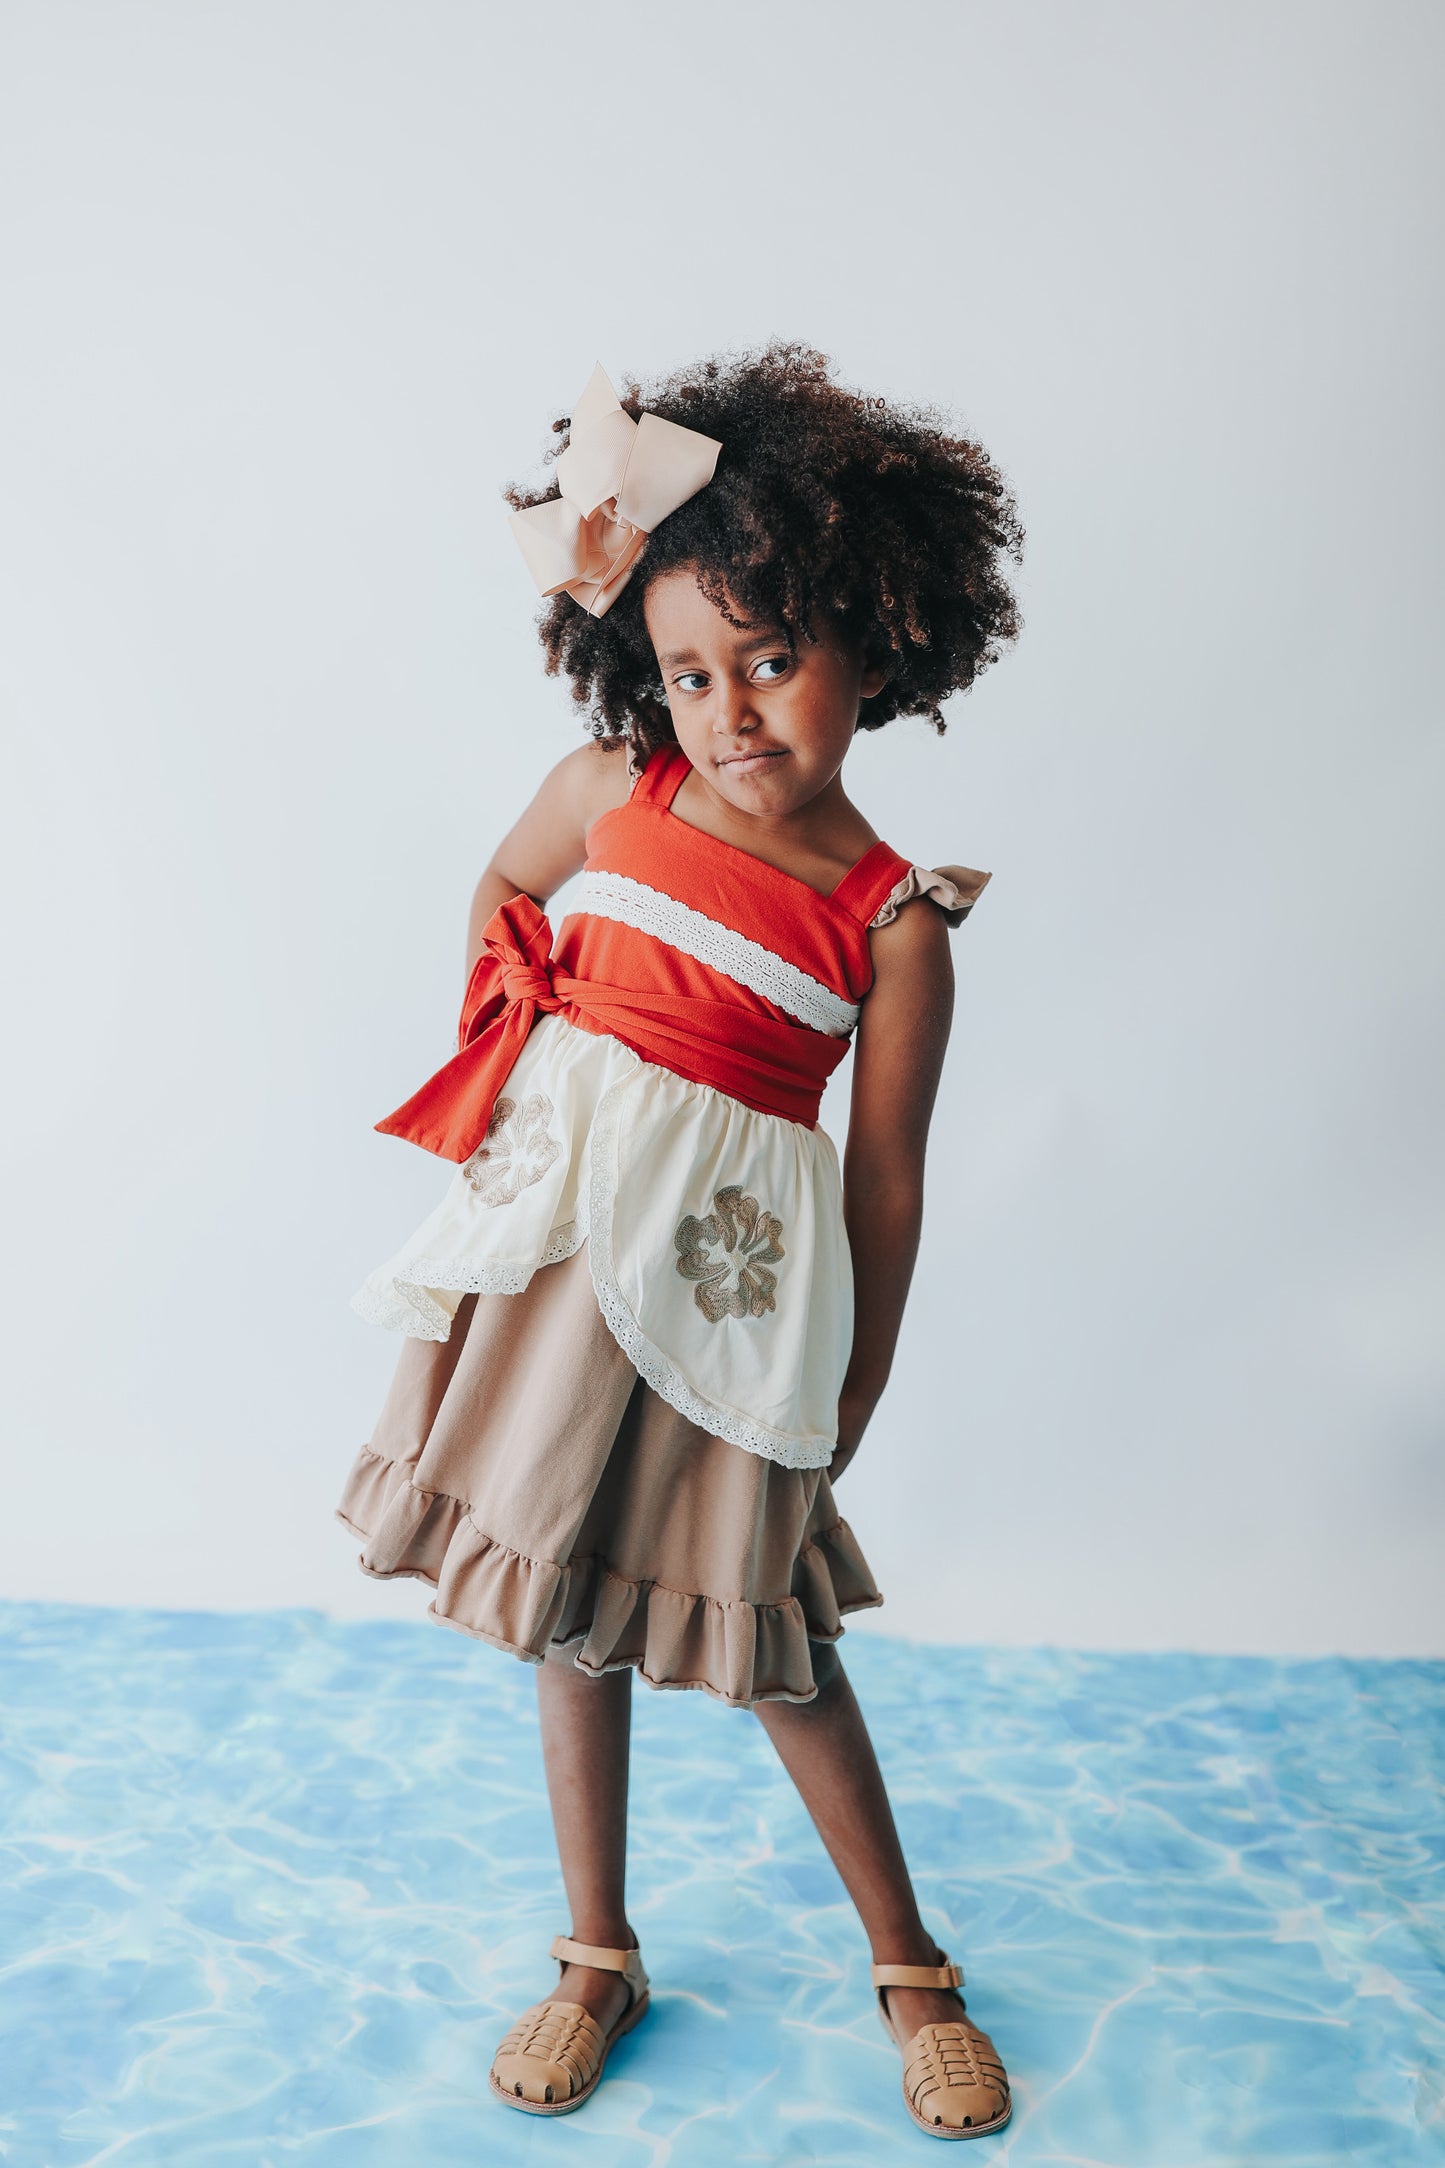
[765, 638]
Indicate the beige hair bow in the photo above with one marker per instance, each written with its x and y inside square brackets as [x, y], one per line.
[618, 479]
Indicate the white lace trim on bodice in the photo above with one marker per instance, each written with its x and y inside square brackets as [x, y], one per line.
[634, 903]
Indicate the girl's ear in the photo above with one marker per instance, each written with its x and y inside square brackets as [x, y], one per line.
[875, 677]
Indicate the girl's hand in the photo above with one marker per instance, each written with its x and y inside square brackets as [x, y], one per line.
[853, 1417]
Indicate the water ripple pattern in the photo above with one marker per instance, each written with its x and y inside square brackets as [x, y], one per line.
[275, 1884]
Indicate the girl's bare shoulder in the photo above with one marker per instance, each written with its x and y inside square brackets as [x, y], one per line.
[547, 843]
[583, 784]
[600, 777]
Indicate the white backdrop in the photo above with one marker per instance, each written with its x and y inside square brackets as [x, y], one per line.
[289, 292]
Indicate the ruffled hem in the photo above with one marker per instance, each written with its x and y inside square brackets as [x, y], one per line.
[955, 889]
[738, 1652]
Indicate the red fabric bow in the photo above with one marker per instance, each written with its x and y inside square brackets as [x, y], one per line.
[512, 979]
[762, 1060]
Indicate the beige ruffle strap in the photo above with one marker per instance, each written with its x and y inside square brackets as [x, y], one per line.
[955, 889]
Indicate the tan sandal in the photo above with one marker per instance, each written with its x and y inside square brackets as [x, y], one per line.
[553, 2057]
[954, 2085]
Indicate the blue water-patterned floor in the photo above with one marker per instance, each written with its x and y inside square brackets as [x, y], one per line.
[272, 1887]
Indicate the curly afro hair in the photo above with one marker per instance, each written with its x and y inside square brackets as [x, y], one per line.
[825, 503]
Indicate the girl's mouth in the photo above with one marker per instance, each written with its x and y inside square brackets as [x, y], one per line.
[743, 763]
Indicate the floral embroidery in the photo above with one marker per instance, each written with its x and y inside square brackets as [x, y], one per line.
[518, 1150]
[737, 1283]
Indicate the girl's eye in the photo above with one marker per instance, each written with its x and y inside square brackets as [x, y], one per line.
[779, 663]
[681, 681]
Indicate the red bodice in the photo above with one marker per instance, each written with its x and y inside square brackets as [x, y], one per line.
[695, 954]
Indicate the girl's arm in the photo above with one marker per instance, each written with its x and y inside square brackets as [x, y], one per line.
[898, 1052]
[549, 842]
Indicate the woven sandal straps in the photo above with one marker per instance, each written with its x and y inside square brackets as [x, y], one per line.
[945, 1975]
[627, 1962]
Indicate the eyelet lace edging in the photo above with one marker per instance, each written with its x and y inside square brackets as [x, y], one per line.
[407, 1307]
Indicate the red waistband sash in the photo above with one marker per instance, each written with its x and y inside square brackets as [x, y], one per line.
[774, 1067]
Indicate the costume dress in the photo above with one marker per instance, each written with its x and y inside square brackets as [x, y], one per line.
[629, 1318]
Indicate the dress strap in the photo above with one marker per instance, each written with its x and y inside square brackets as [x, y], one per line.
[865, 886]
[661, 777]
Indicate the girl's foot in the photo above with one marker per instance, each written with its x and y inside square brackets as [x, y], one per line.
[603, 1995]
[954, 2082]
[910, 2007]
[552, 2058]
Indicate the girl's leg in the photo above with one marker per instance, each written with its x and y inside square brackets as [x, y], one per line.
[586, 1727]
[825, 1748]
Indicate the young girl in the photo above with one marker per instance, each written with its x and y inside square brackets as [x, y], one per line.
[649, 1321]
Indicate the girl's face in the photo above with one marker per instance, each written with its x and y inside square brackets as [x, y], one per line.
[765, 729]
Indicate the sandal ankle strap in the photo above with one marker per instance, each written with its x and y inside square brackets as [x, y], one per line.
[627, 1962]
[946, 1974]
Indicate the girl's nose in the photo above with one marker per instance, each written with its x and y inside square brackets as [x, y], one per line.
[733, 708]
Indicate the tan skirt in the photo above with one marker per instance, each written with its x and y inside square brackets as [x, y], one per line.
[551, 1497]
